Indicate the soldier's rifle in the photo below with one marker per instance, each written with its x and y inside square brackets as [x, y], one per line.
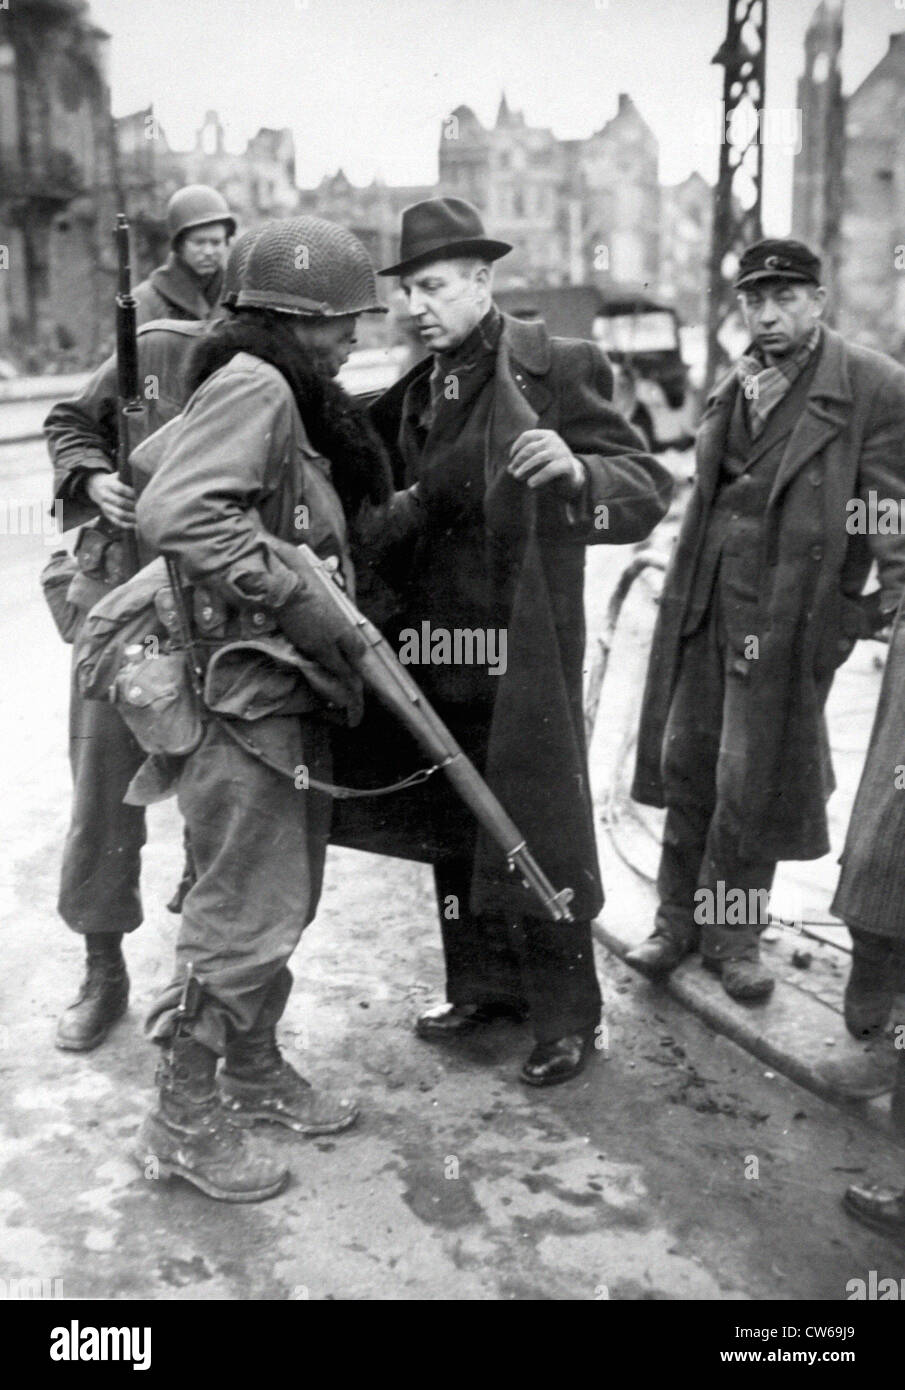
[129, 403]
[382, 671]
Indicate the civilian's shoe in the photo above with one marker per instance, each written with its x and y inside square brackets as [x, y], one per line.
[560, 1060]
[870, 1072]
[743, 977]
[454, 1020]
[869, 995]
[877, 1207]
[658, 955]
[102, 999]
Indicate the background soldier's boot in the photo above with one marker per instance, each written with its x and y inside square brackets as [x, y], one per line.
[257, 1083]
[189, 1136]
[733, 954]
[103, 997]
[871, 986]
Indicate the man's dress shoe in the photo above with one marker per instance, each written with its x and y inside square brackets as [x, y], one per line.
[879, 1208]
[454, 1020]
[560, 1060]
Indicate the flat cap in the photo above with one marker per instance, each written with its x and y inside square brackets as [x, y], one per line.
[778, 259]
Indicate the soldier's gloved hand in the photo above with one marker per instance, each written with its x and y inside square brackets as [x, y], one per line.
[318, 631]
[115, 499]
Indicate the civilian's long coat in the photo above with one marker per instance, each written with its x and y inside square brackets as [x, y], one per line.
[536, 762]
[848, 441]
[871, 888]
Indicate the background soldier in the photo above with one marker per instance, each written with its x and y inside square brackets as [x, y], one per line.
[509, 461]
[269, 449]
[761, 603]
[99, 884]
[189, 285]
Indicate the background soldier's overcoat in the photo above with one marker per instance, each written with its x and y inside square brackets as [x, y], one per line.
[848, 441]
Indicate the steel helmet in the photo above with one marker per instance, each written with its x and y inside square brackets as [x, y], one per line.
[237, 264]
[195, 206]
[306, 266]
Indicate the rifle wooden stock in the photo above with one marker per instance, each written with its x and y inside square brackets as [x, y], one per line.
[387, 677]
[129, 403]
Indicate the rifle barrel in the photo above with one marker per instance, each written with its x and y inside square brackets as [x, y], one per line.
[390, 681]
[129, 403]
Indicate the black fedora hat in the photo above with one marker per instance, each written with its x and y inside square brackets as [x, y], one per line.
[440, 228]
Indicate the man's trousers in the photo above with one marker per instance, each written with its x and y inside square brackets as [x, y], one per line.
[544, 967]
[706, 762]
[99, 881]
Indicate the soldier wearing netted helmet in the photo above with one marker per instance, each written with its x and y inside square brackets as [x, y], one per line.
[269, 450]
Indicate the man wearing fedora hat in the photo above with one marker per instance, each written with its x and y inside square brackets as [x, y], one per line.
[761, 603]
[509, 459]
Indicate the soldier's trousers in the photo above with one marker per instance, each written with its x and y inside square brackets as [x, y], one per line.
[258, 844]
[99, 881]
[705, 765]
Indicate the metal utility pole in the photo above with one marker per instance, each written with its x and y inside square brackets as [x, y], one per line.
[737, 196]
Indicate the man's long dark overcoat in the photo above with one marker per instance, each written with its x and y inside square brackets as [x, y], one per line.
[536, 760]
[848, 441]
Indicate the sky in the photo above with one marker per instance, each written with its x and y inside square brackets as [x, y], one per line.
[365, 84]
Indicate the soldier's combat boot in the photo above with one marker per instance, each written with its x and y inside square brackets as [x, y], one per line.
[187, 1135]
[257, 1083]
[103, 997]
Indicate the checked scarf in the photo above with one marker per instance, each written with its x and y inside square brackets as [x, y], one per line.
[764, 384]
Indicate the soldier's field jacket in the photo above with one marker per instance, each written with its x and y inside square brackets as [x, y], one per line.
[81, 436]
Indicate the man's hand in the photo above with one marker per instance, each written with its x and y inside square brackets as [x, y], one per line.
[114, 498]
[540, 457]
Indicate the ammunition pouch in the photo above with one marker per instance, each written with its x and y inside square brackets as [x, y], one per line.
[253, 678]
[155, 699]
[125, 616]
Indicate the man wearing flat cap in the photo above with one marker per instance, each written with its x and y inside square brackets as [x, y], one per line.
[509, 460]
[761, 603]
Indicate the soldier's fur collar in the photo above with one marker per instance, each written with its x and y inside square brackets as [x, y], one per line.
[337, 426]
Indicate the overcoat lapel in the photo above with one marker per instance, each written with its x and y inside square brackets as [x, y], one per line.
[826, 410]
[711, 441]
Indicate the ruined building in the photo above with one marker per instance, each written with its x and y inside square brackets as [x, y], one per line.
[56, 182]
[849, 185]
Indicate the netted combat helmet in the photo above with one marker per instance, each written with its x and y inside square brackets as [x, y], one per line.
[306, 266]
[237, 264]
